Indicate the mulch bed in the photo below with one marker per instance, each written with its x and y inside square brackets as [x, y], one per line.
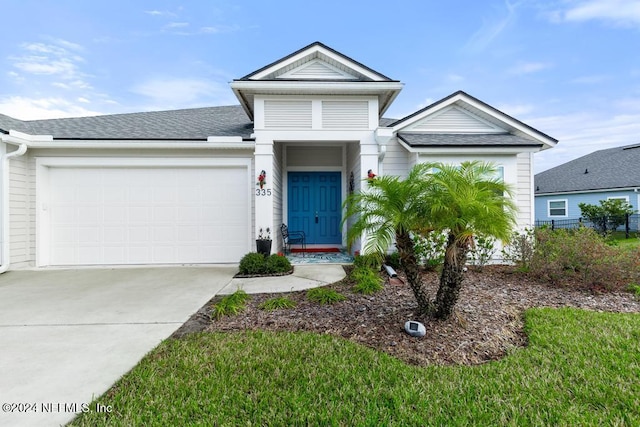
[486, 325]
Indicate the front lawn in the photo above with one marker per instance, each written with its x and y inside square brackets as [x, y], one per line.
[580, 368]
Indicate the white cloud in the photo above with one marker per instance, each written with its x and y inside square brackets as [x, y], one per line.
[159, 13]
[583, 133]
[492, 29]
[172, 25]
[182, 92]
[623, 13]
[43, 108]
[590, 80]
[528, 67]
[54, 58]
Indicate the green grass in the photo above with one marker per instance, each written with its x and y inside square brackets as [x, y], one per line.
[618, 238]
[580, 368]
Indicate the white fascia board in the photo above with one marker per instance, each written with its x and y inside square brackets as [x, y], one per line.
[315, 86]
[26, 138]
[233, 145]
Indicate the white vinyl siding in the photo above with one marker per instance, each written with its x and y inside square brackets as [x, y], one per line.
[345, 114]
[396, 159]
[317, 70]
[290, 114]
[454, 120]
[524, 190]
[557, 208]
[21, 208]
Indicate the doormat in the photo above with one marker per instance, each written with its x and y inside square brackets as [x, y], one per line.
[312, 250]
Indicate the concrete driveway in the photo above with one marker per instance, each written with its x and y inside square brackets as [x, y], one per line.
[67, 335]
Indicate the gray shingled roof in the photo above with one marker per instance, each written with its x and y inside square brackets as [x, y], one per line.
[384, 121]
[610, 168]
[7, 123]
[453, 139]
[189, 124]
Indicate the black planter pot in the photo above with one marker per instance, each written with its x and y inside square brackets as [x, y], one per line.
[263, 247]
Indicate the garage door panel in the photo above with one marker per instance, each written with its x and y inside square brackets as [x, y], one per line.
[148, 215]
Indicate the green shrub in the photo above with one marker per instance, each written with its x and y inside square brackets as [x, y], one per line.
[277, 264]
[372, 261]
[582, 256]
[483, 251]
[634, 288]
[393, 260]
[429, 249]
[520, 249]
[366, 281]
[277, 303]
[324, 296]
[253, 263]
[230, 304]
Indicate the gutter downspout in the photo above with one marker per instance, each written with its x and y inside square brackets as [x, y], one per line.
[22, 148]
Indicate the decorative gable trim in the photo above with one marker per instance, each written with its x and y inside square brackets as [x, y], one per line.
[317, 69]
[481, 110]
[311, 52]
[454, 120]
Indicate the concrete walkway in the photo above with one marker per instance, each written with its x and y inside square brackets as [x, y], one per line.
[67, 335]
[304, 277]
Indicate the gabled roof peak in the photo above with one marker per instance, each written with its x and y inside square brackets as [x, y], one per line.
[324, 53]
[482, 111]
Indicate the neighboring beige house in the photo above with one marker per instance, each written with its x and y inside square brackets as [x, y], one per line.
[182, 187]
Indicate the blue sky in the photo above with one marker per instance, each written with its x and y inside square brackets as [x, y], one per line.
[570, 68]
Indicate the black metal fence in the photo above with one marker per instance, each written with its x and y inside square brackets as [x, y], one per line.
[629, 224]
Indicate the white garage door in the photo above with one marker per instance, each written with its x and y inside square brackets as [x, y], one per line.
[147, 215]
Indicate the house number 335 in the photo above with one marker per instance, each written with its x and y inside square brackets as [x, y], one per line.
[263, 192]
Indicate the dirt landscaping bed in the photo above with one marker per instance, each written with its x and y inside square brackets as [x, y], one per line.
[487, 323]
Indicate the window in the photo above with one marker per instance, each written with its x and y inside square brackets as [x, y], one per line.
[557, 208]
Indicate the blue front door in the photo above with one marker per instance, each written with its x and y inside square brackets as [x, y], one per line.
[315, 206]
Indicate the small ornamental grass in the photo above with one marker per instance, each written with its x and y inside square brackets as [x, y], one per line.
[366, 280]
[325, 296]
[230, 304]
[277, 303]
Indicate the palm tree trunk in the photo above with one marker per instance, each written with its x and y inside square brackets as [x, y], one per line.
[406, 250]
[451, 277]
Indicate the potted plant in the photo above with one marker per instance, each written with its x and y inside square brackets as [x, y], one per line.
[263, 242]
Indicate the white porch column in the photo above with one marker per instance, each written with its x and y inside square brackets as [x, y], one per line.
[264, 193]
[368, 162]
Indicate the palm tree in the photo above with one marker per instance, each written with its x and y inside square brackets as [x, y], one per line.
[463, 202]
[391, 210]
